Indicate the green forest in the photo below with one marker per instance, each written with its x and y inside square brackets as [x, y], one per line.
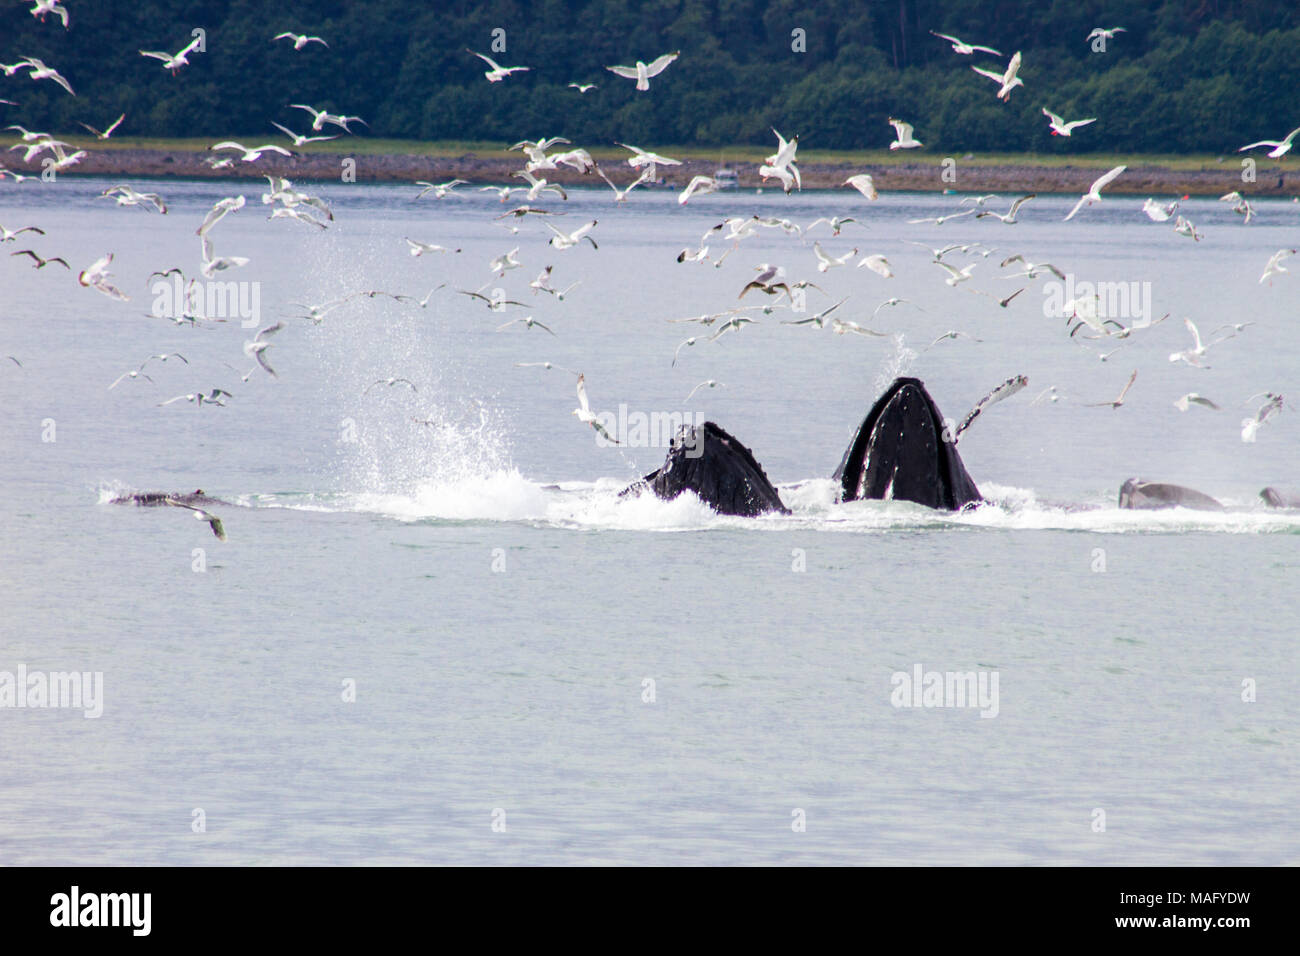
[1203, 76]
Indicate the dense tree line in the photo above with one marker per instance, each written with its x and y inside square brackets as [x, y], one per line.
[1187, 76]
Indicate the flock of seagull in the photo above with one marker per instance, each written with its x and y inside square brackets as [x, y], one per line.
[770, 282]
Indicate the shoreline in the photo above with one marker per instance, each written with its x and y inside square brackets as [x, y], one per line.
[495, 166]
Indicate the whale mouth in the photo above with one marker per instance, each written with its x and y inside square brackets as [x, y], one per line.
[900, 451]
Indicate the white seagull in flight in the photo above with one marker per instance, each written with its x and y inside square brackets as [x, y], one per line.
[1280, 147]
[497, 73]
[965, 49]
[642, 72]
[1094, 191]
[1007, 81]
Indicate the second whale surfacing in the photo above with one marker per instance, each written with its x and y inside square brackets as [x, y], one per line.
[900, 452]
[1142, 495]
[724, 474]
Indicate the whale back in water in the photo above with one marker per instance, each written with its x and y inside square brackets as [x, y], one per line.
[707, 460]
[899, 452]
[156, 499]
[1280, 499]
[1150, 495]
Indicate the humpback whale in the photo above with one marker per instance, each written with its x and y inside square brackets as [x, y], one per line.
[901, 451]
[191, 502]
[1280, 499]
[1149, 495]
[154, 499]
[707, 460]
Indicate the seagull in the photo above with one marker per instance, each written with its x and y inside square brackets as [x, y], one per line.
[538, 186]
[1191, 398]
[546, 365]
[620, 195]
[420, 248]
[787, 175]
[819, 319]
[1184, 227]
[175, 62]
[863, 183]
[298, 214]
[1032, 269]
[645, 158]
[1010, 218]
[1104, 33]
[497, 73]
[503, 192]
[390, 382]
[905, 138]
[684, 344]
[1250, 426]
[1120, 399]
[940, 220]
[978, 200]
[835, 222]
[582, 87]
[1008, 80]
[1279, 147]
[584, 412]
[39, 71]
[321, 117]
[1275, 267]
[767, 281]
[211, 266]
[218, 211]
[1060, 127]
[303, 140]
[43, 8]
[1048, 393]
[710, 383]
[528, 321]
[1002, 302]
[439, 190]
[42, 263]
[494, 304]
[1005, 390]
[1237, 328]
[1193, 355]
[258, 346]
[1094, 191]
[892, 302]
[699, 185]
[97, 276]
[825, 262]
[951, 335]
[300, 40]
[841, 326]
[877, 264]
[213, 521]
[563, 240]
[734, 324]
[501, 264]
[643, 72]
[1158, 212]
[126, 196]
[8, 236]
[105, 134]
[520, 211]
[956, 277]
[966, 49]
[199, 399]
[133, 374]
